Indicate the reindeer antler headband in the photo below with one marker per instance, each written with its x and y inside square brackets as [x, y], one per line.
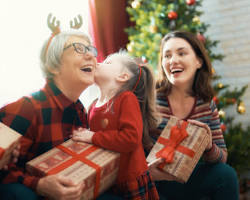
[54, 26]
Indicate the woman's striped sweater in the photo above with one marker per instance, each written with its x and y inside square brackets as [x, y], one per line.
[203, 112]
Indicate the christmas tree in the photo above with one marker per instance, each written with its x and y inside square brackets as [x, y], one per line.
[152, 19]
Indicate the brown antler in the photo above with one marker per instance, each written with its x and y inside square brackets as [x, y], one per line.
[54, 28]
[77, 24]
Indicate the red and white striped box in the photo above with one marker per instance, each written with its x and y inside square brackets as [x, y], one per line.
[9, 139]
[186, 154]
[98, 168]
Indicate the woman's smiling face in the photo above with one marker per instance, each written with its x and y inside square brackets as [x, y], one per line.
[179, 62]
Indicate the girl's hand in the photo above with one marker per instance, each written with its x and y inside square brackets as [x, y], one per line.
[83, 135]
[203, 125]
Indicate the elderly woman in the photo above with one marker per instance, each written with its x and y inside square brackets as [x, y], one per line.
[47, 118]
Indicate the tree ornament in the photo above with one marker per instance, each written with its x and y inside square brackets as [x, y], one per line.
[216, 100]
[231, 100]
[223, 127]
[136, 4]
[220, 85]
[222, 113]
[153, 29]
[190, 2]
[196, 20]
[172, 15]
[213, 71]
[201, 37]
[129, 47]
[144, 59]
[241, 108]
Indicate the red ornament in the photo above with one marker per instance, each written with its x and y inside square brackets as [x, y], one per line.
[172, 15]
[201, 37]
[223, 127]
[216, 100]
[190, 2]
[232, 100]
[144, 59]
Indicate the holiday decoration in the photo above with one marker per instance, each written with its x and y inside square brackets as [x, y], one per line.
[196, 20]
[216, 100]
[223, 127]
[144, 59]
[201, 37]
[153, 29]
[241, 108]
[220, 85]
[190, 2]
[81, 162]
[135, 4]
[172, 15]
[222, 113]
[145, 41]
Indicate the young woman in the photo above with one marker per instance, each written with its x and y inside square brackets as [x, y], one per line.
[120, 119]
[184, 90]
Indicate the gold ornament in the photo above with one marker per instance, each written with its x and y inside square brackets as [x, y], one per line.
[213, 71]
[222, 113]
[135, 4]
[153, 29]
[241, 108]
[129, 47]
[196, 20]
[220, 85]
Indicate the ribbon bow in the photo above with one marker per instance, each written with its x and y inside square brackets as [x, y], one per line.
[177, 134]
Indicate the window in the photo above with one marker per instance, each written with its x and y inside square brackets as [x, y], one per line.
[23, 31]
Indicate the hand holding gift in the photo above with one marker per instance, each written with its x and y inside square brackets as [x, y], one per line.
[9, 146]
[181, 145]
[82, 135]
[59, 187]
[203, 125]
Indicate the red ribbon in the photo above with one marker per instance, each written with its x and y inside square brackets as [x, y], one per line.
[79, 157]
[177, 135]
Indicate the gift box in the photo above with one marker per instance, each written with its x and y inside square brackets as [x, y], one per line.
[98, 168]
[181, 144]
[9, 139]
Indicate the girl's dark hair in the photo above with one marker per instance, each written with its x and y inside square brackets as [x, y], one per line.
[202, 83]
[144, 91]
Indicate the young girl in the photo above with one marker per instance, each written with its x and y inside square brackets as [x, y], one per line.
[184, 90]
[119, 121]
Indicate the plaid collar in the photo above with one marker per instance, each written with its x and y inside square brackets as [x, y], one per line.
[60, 99]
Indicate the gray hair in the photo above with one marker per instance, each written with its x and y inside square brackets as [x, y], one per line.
[51, 59]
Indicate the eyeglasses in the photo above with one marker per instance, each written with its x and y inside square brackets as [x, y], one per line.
[82, 49]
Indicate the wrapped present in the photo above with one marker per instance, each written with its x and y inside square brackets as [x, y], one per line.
[98, 168]
[181, 144]
[9, 139]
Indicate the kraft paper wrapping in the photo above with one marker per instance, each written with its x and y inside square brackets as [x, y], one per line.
[182, 165]
[57, 161]
[9, 139]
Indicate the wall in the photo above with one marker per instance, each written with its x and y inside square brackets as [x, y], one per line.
[230, 24]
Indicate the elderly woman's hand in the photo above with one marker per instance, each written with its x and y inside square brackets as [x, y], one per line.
[159, 175]
[59, 188]
[83, 135]
[14, 156]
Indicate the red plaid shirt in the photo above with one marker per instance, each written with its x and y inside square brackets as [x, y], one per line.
[45, 119]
